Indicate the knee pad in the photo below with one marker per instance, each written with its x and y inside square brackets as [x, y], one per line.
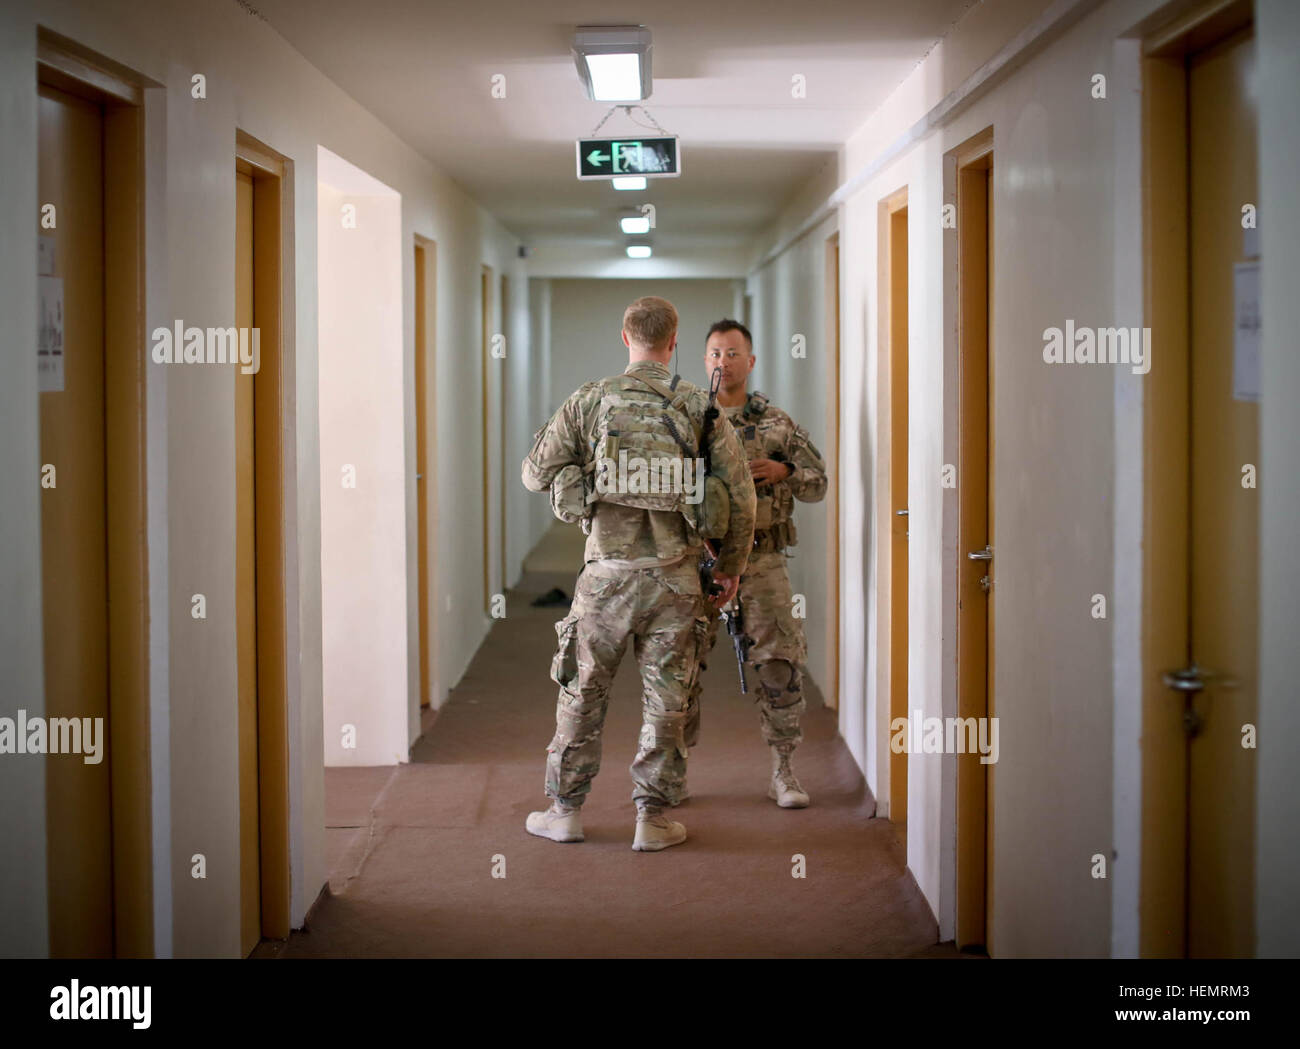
[779, 679]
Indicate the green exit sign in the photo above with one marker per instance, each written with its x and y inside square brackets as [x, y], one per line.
[617, 157]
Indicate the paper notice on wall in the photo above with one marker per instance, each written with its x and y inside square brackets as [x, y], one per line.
[49, 334]
[1250, 242]
[45, 254]
[1245, 335]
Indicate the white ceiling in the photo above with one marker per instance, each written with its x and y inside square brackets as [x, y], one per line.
[722, 81]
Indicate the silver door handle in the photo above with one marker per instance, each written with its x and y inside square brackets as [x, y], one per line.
[1188, 679]
[419, 477]
[900, 513]
[981, 555]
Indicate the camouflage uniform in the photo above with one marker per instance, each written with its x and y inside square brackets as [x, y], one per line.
[780, 649]
[640, 582]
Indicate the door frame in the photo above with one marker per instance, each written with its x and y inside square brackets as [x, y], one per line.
[273, 291]
[891, 497]
[1166, 496]
[67, 65]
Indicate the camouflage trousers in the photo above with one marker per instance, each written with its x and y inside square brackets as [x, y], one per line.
[661, 611]
[776, 659]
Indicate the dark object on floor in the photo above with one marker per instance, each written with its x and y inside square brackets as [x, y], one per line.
[554, 596]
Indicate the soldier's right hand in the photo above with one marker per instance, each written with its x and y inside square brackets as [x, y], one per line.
[730, 584]
[765, 471]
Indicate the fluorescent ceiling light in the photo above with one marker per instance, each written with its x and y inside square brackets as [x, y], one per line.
[629, 182]
[615, 78]
[613, 62]
[635, 224]
[638, 251]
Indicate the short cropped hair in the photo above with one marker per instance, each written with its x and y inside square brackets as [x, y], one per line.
[650, 322]
[727, 324]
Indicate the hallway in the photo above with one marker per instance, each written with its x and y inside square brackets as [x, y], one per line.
[318, 314]
[414, 879]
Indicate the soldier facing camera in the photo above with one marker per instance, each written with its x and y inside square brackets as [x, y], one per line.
[785, 466]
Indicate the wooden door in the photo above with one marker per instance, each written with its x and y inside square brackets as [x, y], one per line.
[975, 575]
[831, 675]
[262, 706]
[250, 877]
[74, 524]
[503, 369]
[485, 321]
[426, 491]
[896, 221]
[1201, 438]
[1224, 563]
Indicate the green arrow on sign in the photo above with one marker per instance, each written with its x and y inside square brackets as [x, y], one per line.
[595, 158]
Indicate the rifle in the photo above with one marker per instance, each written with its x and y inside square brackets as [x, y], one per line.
[711, 414]
[735, 620]
[732, 614]
[708, 587]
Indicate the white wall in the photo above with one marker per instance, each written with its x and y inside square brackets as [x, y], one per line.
[362, 483]
[23, 899]
[528, 394]
[587, 317]
[1278, 847]
[257, 82]
[540, 517]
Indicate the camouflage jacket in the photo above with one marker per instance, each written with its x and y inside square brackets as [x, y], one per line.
[626, 532]
[766, 432]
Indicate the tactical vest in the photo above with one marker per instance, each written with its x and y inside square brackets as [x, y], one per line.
[642, 422]
[645, 447]
[774, 507]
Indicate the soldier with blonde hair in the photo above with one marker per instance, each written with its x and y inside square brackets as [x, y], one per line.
[640, 583]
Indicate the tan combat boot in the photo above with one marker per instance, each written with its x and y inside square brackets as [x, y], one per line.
[784, 788]
[655, 831]
[559, 823]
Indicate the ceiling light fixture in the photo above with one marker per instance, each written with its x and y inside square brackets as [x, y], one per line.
[635, 224]
[638, 251]
[613, 62]
[629, 182]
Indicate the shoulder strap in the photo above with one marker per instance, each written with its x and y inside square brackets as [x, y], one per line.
[671, 398]
[669, 394]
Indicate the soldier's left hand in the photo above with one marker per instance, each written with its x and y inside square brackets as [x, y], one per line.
[766, 471]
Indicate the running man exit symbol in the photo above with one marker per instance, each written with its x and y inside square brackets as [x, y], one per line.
[626, 157]
[603, 158]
